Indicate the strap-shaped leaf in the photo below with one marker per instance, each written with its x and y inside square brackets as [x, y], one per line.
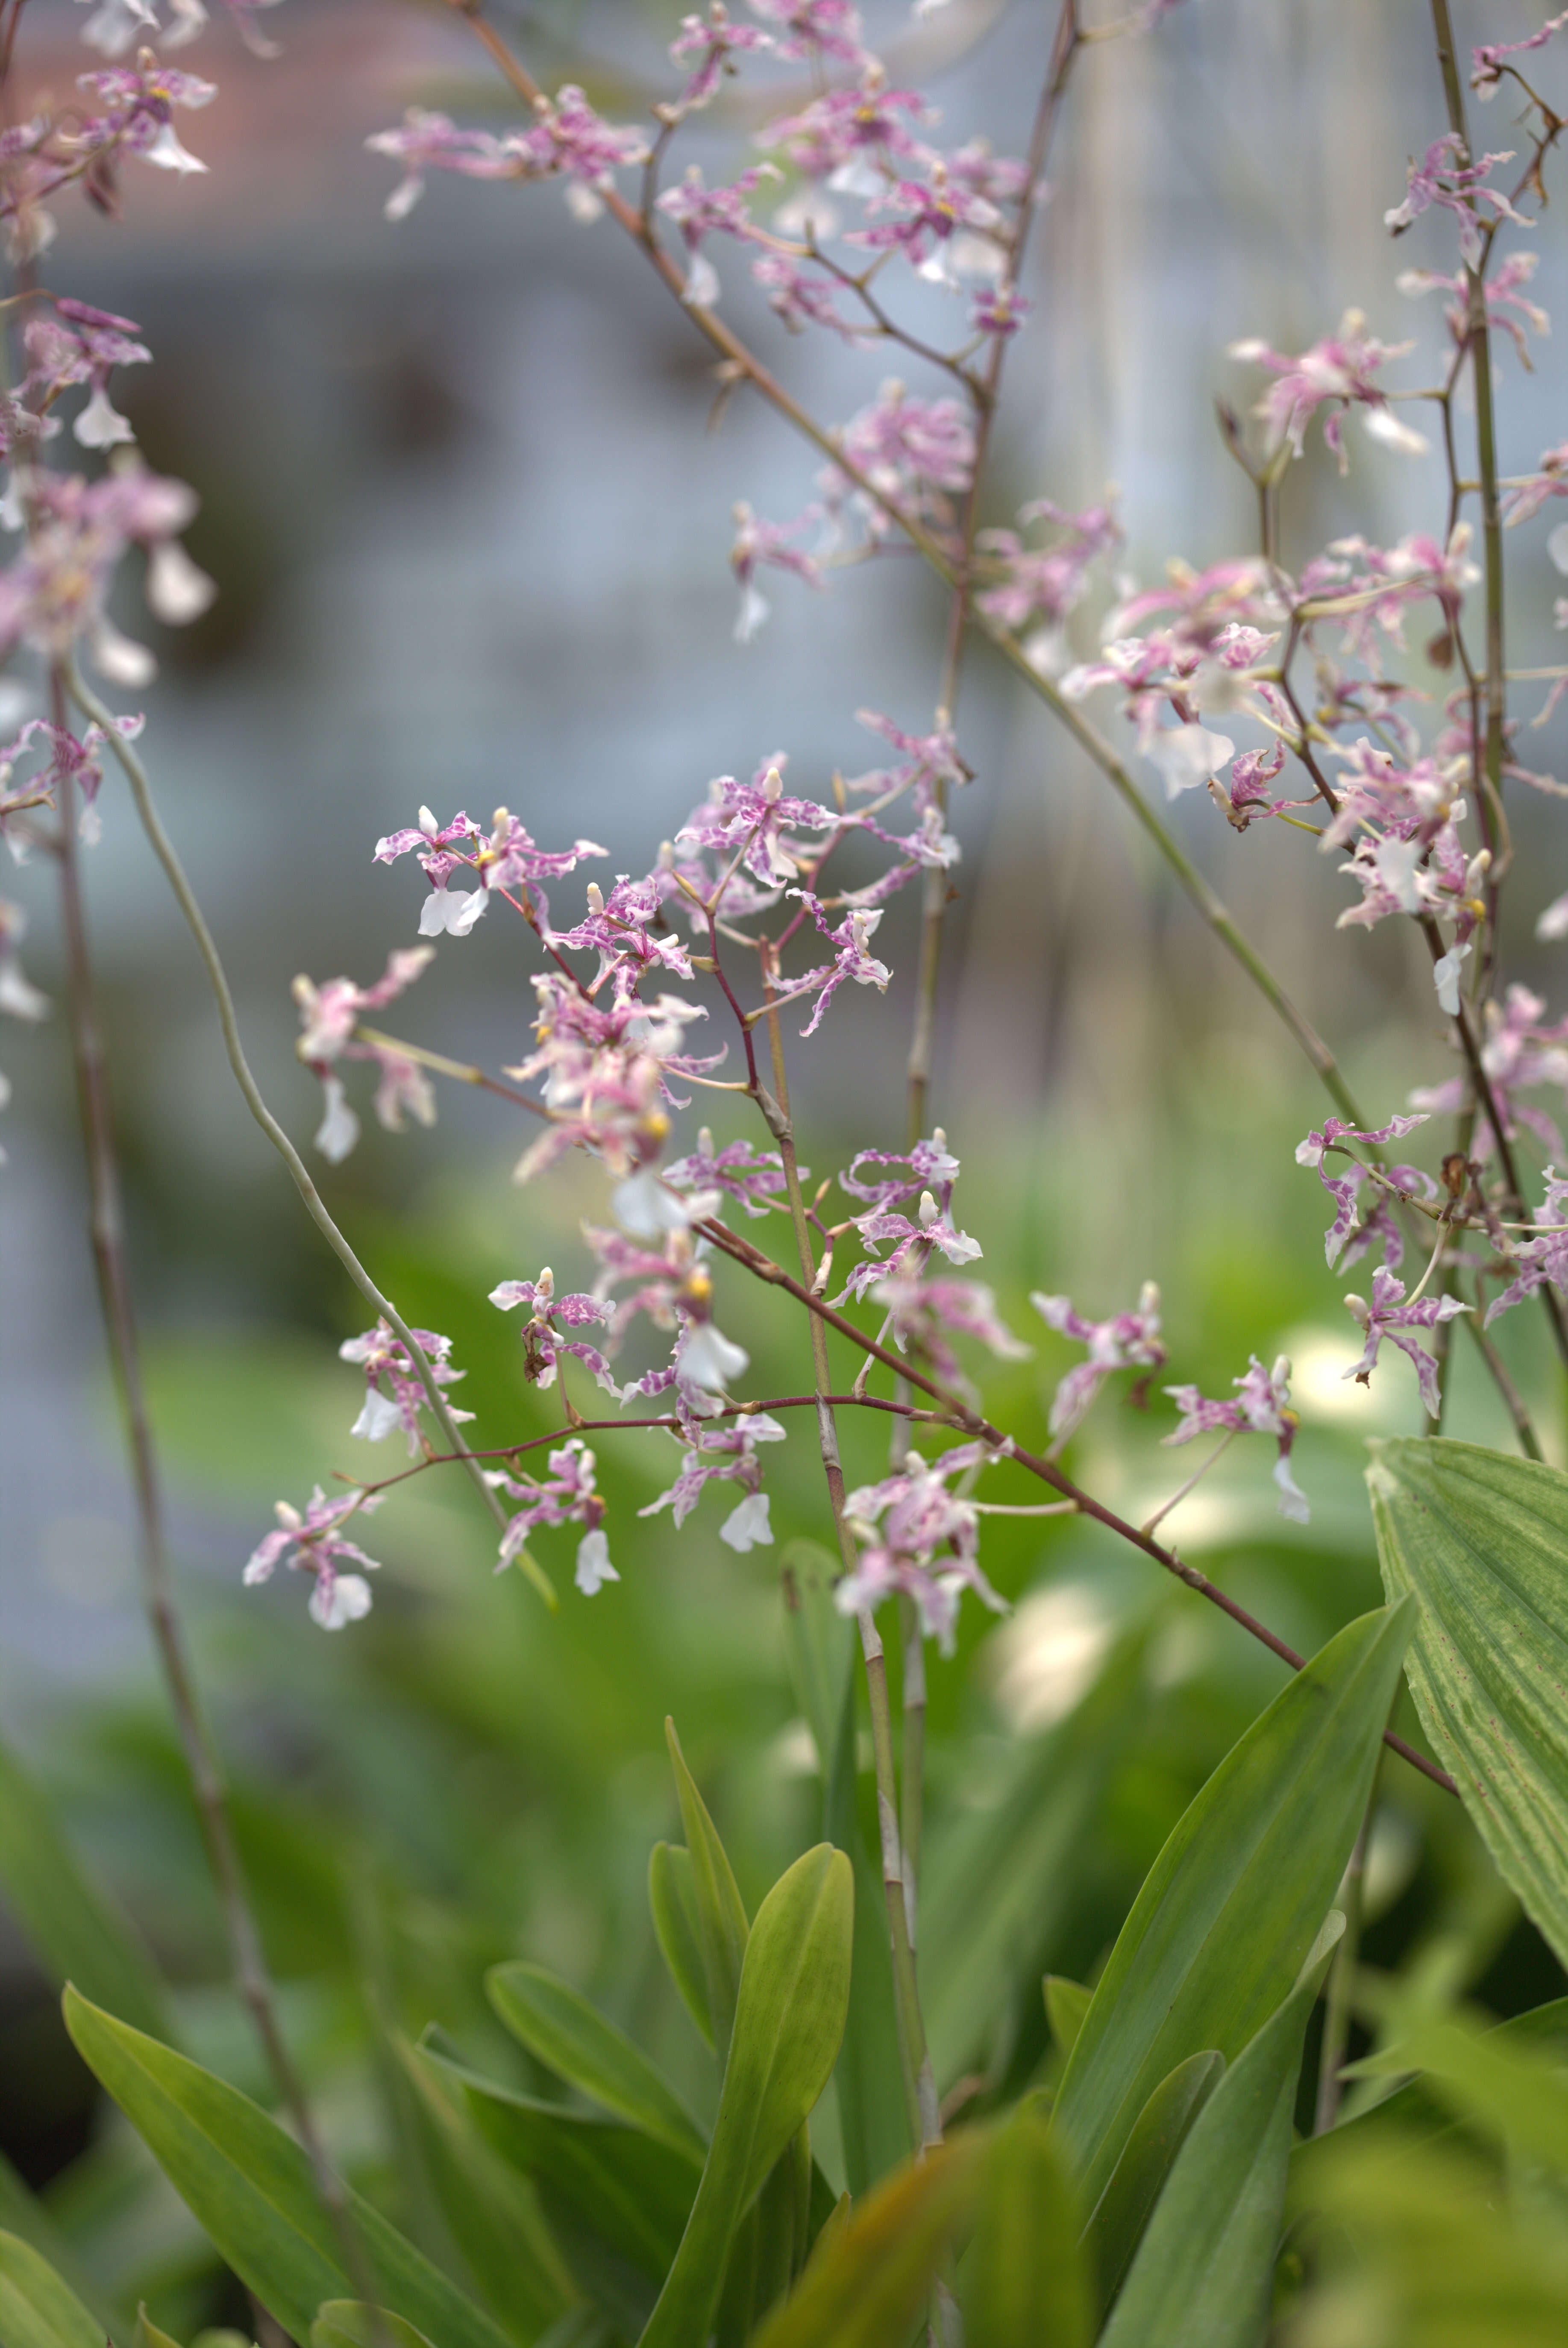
[721, 1924]
[350, 2324]
[1233, 1903]
[627, 2196]
[1067, 2004]
[1116, 2228]
[672, 1902]
[1483, 1540]
[867, 2281]
[573, 2039]
[1026, 2283]
[1203, 2271]
[77, 1933]
[36, 2309]
[788, 2019]
[1515, 2090]
[22, 2214]
[148, 2334]
[491, 2213]
[252, 2188]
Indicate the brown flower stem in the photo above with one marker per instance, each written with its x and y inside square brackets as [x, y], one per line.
[962, 1415]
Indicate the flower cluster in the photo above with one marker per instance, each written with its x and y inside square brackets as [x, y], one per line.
[565, 1497]
[394, 1391]
[329, 1017]
[919, 1540]
[1261, 1406]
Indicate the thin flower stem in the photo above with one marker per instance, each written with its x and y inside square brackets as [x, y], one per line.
[962, 1415]
[1528, 1442]
[459, 1071]
[747, 365]
[936, 887]
[203, 1766]
[315, 1206]
[1193, 1481]
[920, 2087]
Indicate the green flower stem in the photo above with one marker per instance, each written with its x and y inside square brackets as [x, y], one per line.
[315, 1206]
[199, 1749]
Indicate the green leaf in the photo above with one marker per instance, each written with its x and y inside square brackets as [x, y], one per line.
[36, 2309]
[22, 2214]
[1117, 2226]
[251, 2187]
[1516, 2093]
[721, 1926]
[769, 2246]
[1204, 2272]
[1026, 2280]
[1234, 1901]
[492, 2213]
[147, 2333]
[573, 2039]
[999, 1883]
[1483, 1540]
[788, 2019]
[1066, 2003]
[616, 2201]
[1419, 2250]
[671, 1901]
[350, 2324]
[78, 1935]
[871, 2276]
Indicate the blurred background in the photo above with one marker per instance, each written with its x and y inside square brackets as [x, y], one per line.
[469, 509]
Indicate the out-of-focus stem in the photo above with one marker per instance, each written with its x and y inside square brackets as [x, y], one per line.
[920, 2085]
[936, 887]
[315, 1206]
[106, 1225]
[747, 366]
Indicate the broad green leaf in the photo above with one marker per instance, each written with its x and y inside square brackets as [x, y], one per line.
[1418, 2248]
[1483, 1541]
[1114, 2232]
[78, 1934]
[573, 2039]
[769, 2246]
[788, 2019]
[616, 2201]
[147, 2333]
[1234, 1901]
[1066, 2003]
[672, 1902]
[1513, 2091]
[1204, 2272]
[491, 2213]
[350, 2324]
[721, 1925]
[1026, 2283]
[36, 2309]
[998, 1883]
[867, 2281]
[251, 2187]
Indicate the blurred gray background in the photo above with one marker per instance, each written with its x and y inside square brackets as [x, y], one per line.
[470, 528]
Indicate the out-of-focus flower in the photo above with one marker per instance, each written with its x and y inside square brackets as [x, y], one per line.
[1261, 1406]
[1126, 1340]
[395, 1392]
[313, 1543]
[920, 1540]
